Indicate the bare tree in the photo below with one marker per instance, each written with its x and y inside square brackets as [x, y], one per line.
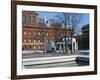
[69, 21]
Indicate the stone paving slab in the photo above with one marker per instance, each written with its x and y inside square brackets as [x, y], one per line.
[36, 55]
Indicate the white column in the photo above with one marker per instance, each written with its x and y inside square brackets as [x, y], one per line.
[60, 47]
[75, 46]
[72, 44]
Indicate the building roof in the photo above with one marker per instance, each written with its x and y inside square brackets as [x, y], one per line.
[31, 12]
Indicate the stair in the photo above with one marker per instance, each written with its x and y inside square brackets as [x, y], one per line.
[46, 62]
[56, 61]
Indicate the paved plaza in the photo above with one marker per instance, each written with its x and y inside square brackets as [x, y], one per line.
[53, 54]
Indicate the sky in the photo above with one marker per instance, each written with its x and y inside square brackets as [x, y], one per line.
[52, 15]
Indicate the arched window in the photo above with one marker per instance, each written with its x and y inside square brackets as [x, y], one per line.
[28, 19]
[33, 19]
[23, 19]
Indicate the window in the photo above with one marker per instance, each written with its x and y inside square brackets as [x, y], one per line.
[29, 40]
[23, 19]
[38, 40]
[29, 33]
[24, 40]
[34, 47]
[33, 19]
[28, 19]
[38, 33]
[34, 40]
[38, 47]
[34, 33]
[25, 33]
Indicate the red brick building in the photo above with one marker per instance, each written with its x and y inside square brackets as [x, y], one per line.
[35, 33]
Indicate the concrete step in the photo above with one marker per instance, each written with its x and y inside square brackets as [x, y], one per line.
[46, 60]
[58, 61]
[59, 64]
